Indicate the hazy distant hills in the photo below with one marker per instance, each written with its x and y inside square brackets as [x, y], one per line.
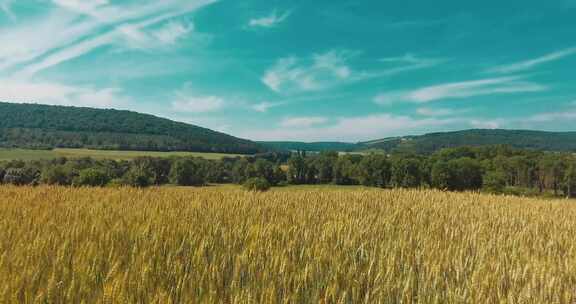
[429, 143]
[313, 147]
[42, 126]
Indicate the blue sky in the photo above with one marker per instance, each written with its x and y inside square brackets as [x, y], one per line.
[346, 70]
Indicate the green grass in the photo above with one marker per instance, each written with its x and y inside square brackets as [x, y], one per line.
[21, 154]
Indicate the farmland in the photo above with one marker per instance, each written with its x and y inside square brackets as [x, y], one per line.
[314, 245]
[24, 154]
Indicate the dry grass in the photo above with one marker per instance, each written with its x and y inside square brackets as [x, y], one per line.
[175, 245]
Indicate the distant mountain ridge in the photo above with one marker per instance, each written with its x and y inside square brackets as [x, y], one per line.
[44, 126]
[312, 146]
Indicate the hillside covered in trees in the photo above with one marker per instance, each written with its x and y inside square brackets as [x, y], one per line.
[433, 142]
[44, 127]
[520, 139]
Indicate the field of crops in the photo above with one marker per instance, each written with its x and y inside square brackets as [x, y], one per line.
[224, 245]
[23, 154]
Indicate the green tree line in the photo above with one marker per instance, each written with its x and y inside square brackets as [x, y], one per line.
[495, 169]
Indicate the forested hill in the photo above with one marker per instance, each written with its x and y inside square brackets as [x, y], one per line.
[429, 143]
[42, 126]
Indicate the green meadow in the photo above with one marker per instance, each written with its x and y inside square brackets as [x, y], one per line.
[23, 154]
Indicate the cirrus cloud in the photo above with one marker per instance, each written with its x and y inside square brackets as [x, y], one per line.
[458, 90]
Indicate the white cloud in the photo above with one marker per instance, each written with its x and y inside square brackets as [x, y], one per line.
[529, 64]
[198, 104]
[264, 106]
[60, 94]
[303, 122]
[291, 74]
[270, 21]
[553, 116]
[172, 32]
[485, 124]
[435, 112]
[84, 7]
[409, 59]
[458, 90]
[64, 36]
[354, 129]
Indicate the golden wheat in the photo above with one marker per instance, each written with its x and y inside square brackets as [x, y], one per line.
[222, 245]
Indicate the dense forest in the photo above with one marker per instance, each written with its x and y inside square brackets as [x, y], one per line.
[494, 169]
[45, 127]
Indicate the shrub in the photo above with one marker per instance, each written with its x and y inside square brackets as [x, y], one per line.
[91, 178]
[21, 176]
[139, 177]
[56, 175]
[257, 184]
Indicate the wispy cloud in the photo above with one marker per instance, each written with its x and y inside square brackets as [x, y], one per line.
[532, 63]
[270, 21]
[303, 122]
[198, 104]
[553, 116]
[458, 90]
[410, 59]
[435, 112]
[62, 36]
[6, 8]
[294, 75]
[61, 94]
[172, 32]
[264, 106]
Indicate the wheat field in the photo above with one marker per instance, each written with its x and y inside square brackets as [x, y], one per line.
[225, 245]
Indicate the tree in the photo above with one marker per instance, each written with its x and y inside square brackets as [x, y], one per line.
[297, 170]
[458, 174]
[92, 177]
[263, 169]
[185, 172]
[158, 168]
[406, 172]
[570, 181]
[344, 169]
[374, 171]
[494, 181]
[551, 172]
[324, 164]
[442, 176]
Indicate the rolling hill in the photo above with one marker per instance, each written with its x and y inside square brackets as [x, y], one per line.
[522, 139]
[44, 127]
[430, 143]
